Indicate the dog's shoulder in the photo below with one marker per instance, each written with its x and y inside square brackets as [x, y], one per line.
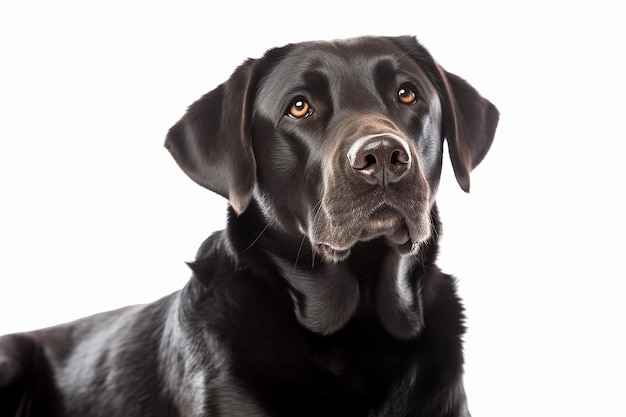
[26, 378]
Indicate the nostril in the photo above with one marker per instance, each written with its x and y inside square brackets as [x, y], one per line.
[370, 160]
[364, 161]
[399, 157]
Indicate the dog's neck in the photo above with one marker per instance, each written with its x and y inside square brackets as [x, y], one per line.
[375, 281]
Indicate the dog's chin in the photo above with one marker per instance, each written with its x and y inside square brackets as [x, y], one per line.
[387, 225]
[335, 255]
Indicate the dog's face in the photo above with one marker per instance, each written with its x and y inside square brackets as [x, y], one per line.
[347, 139]
[340, 141]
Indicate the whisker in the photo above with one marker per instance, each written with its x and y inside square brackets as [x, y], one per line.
[422, 259]
[434, 230]
[317, 211]
[355, 266]
[258, 237]
[295, 265]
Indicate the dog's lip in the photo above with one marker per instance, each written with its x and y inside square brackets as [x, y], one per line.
[333, 253]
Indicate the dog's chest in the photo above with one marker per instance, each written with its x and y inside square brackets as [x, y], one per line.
[355, 371]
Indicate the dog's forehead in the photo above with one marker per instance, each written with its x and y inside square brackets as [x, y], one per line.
[336, 60]
[341, 64]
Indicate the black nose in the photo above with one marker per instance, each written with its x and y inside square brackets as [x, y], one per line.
[380, 159]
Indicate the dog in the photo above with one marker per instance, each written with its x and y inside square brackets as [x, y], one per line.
[321, 297]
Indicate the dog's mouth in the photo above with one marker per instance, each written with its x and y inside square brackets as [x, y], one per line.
[384, 222]
[331, 253]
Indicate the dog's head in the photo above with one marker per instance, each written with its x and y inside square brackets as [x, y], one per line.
[340, 141]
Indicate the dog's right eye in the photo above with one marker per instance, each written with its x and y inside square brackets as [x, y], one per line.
[299, 108]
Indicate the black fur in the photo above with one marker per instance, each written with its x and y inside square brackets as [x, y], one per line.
[321, 297]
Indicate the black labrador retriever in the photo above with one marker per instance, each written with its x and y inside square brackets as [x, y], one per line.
[321, 297]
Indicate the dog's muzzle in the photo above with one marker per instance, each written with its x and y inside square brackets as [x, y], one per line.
[373, 188]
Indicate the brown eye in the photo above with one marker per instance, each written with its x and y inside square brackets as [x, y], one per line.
[406, 95]
[299, 108]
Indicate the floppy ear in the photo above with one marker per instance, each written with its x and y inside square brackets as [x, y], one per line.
[212, 142]
[469, 122]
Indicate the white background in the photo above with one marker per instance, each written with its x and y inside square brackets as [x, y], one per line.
[94, 214]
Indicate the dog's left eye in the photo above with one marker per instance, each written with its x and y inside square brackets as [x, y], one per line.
[299, 108]
[406, 94]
